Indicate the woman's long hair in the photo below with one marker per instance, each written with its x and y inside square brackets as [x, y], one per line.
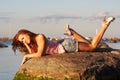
[19, 45]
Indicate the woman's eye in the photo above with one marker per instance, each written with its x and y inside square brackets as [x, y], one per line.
[22, 38]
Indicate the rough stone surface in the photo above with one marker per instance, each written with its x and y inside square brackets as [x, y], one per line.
[102, 65]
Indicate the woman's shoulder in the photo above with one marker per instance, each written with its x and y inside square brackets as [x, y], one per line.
[40, 36]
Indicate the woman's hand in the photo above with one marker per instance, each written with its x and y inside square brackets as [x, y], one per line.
[24, 60]
[27, 46]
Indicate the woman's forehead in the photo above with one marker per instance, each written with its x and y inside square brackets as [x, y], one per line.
[21, 35]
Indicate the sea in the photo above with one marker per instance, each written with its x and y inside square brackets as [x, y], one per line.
[10, 62]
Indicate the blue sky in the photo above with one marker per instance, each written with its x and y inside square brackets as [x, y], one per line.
[50, 16]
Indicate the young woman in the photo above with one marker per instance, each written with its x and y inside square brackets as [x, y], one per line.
[38, 45]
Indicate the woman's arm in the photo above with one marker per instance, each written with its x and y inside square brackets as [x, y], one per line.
[40, 40]
[28, 48]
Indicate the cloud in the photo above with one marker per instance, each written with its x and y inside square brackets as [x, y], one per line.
[100, 15]
[57, 17]
[54, 18]
[6, 17]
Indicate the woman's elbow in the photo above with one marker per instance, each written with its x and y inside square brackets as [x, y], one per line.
[38, 54]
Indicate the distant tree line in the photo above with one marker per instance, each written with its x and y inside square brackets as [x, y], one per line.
[5, 38]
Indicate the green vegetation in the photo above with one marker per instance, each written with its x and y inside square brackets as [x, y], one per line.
[24, 77]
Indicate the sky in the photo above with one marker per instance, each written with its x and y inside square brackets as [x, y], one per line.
[50, 16]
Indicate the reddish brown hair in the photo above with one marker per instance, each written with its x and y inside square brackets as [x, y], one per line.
[19, 45]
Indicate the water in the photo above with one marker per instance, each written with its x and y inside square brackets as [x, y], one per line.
[10, 63]
[114, 45]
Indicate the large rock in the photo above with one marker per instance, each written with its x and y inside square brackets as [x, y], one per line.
[72, 66]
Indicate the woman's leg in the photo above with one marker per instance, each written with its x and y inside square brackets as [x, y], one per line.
[85, 44]
[78, 37]
[99, 35]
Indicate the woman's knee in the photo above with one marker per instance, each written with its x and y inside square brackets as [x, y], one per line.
[86, 47]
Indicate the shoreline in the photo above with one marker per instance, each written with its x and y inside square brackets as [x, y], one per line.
[110, 40]
[5, 38]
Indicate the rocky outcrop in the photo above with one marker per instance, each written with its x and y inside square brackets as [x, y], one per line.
[112, 40]
[73, 66]
[2, 44]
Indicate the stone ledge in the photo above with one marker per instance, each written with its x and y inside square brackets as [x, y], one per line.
[76, 66]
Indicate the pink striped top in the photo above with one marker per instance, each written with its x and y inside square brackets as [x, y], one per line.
[54, 48]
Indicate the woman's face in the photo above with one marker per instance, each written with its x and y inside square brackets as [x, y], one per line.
[24, 38]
